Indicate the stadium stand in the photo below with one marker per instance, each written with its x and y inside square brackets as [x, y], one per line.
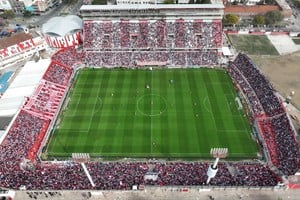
[188, 38]
[68, 56]
[193, 42]
[58, 74]
[179, 45]
[274, 126]
[25, 136]
[45, 101]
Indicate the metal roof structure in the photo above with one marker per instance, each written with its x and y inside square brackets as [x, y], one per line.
[22, 86]
[62, 26]
[150, 6]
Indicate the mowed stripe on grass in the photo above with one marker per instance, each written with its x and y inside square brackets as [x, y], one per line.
[159, 113]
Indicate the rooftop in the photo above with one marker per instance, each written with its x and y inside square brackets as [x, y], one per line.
[151, 6]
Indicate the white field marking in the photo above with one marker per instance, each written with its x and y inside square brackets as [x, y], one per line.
[239, 111]
[68, 130]
[171, 154]
[218, 83]
[151, 137]
[213, 117]
[77, 103]
[92, 114]
[99, 107]
[205, 106]
[227, 104]
[77, 131]
[151, 115]
[234, 131]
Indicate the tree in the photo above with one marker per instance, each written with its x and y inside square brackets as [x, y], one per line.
[296, 3]
[236, 2]
[70, 2]
[8, 14]
[259, 20]
[273, 17]
[99, 2]
[168, 1]
[270, 2]
[231, 19]
[27, 14]
[1, 21]
[199, 1]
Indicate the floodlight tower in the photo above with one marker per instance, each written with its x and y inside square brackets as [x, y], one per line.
[290, 96]
[217, 153]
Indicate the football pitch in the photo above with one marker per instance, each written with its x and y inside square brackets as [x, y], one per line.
[165, 113]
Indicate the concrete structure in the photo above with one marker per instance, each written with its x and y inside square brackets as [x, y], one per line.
[136, 1]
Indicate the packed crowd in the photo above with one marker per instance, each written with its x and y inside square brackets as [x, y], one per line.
[256, 107]
[170, 58]
[275, 127]
[124, 175]
[281, 146]
[17, 146]
[68, 56]
[178, 42]
[160, 34]
[288, 152]
[260, 85]
[28, 129]
[58, 74]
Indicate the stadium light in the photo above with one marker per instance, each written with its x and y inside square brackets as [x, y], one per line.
[217, 153]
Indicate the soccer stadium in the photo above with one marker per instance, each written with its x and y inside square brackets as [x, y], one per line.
[146, 101]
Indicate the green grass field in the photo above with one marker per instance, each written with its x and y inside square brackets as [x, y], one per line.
[168, 113]
[253, 44]
[296, 41]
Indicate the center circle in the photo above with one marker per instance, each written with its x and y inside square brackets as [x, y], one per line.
[151, 105]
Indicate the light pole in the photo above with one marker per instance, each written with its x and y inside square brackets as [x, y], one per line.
[217, 153]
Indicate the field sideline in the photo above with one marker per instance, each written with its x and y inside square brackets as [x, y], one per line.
[167, 113]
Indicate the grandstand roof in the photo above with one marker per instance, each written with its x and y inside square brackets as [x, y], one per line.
[149, 6]
[61, 26]
[22, 86]
[14, 39]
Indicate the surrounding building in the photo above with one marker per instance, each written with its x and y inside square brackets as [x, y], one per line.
[5, 5]
[19, 47]
[136, 2]
[252, 8]
[34, 6]
[247, 2]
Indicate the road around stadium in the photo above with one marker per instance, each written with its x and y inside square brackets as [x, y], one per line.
[166, 194]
